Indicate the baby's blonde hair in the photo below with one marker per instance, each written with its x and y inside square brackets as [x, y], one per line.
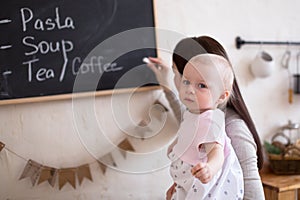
[223, 68]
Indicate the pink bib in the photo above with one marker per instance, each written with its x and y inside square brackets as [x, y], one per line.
[197, 129]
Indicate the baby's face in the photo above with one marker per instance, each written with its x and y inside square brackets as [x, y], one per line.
[200, 87]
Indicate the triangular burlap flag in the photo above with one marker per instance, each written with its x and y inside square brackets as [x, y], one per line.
[162, 105]
[158, 111]
[84, 172]
[125, 146]
[143, 123]
[102, 167]
[105, 161]
[67, 175]
[32, 170]
[143, 128]
[2, 145]
[48, 174]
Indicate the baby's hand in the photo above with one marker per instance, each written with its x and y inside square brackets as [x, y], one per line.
[203, 172]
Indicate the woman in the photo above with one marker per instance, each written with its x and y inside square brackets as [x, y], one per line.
[239, 125]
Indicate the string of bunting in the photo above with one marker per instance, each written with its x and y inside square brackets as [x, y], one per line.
[39, 173]
[143, 126]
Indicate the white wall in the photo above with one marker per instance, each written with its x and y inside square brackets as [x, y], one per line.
[48, 132]
[252, 20]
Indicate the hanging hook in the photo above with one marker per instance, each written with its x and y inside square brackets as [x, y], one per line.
[286, 59]
[261, 45]
[288, 45]
[298, 57]
[297, 77]
[285, 64]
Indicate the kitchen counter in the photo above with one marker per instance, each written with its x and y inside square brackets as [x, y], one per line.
[280, 187]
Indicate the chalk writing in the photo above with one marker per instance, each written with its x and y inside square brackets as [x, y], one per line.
[48, 24]
[4, 89]
[5, 47]
[95, 65]
[47, 45]
[4, 21]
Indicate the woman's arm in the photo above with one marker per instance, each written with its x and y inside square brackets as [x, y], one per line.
[176, 106]
[164, 75]
[245, 149]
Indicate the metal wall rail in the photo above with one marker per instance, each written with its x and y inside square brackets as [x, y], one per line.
[239, 42]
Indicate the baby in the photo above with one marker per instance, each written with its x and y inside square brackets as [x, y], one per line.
[204, 164]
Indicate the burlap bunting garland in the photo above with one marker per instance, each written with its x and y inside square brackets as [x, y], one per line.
[48, 174]
[106, 160]
[84, 172]
[102, 167]
[1, 146]
[165, 109]
[39, 173]
[143, 128]
[31, 170]
[125, 146]
[67, 175]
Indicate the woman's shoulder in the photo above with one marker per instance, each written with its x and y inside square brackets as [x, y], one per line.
[231, 116]
[235, 125]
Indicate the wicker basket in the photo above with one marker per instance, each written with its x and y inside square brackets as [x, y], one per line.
[284, 165]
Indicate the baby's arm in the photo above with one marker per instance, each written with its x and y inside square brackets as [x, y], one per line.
[215, 158]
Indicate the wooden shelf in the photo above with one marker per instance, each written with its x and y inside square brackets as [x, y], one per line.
[280, 187]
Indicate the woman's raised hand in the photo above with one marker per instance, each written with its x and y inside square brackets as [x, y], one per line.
[162, 71]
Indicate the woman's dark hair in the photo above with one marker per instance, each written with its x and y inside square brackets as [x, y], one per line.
[190, 47]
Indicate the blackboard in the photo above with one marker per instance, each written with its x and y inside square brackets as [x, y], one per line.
[65, 46]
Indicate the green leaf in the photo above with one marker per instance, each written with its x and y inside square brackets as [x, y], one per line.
[271, 148]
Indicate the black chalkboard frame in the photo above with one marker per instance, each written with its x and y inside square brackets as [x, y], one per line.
[71, 96]
[65, 96]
